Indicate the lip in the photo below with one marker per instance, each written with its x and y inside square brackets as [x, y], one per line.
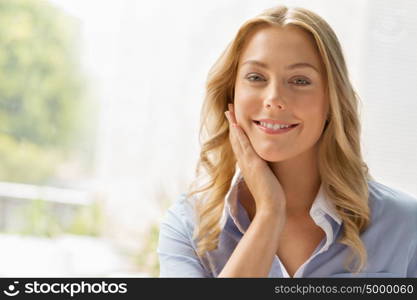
[275, 131]
[270, 121]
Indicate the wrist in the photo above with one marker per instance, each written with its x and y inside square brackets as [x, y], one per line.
[270, 222]
[271, 214]
[271, 210]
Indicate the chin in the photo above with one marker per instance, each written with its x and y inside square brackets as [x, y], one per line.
[273, 157]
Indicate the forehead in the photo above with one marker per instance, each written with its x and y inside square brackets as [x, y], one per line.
[280, 46]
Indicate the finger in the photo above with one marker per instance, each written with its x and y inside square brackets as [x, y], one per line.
[229, 119]
[234, 141]
[239, 130]
[241, 135]
[244, 152]
[245, 145]
[232, 130]
[232, 113]
[243, 139]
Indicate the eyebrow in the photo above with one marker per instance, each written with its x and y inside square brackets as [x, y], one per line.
[289, 67]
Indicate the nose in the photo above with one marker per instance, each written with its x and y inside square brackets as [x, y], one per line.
[274, 98]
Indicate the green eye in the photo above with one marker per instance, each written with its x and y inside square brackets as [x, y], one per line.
[300, 81]
[254, 77]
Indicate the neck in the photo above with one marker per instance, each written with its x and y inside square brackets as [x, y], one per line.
[300, 179]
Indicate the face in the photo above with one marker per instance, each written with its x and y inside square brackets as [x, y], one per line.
[280, 79]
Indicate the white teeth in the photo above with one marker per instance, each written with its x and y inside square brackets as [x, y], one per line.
[274, 127]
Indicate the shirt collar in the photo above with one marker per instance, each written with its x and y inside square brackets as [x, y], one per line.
[321, 205]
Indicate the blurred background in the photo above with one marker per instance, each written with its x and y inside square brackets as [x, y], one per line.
[99, 116]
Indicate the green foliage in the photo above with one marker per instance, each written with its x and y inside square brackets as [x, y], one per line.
[37, 220]
[20, 156]
[147, 259]
[88, 221]
[42, 98]
[41, 219]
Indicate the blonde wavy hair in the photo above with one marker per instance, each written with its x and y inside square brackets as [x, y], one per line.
[343, 172]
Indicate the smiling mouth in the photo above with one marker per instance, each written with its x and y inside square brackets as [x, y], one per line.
[275, 126]
[274, 129]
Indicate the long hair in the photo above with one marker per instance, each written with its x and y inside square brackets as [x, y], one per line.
[343, 172]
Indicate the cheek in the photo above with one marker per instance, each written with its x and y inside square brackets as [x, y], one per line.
[312, 108]
[247, 106]
[314, 117]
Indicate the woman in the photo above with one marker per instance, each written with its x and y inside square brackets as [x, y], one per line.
[286, 192]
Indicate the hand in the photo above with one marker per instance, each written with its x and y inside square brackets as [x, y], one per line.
[264, 186]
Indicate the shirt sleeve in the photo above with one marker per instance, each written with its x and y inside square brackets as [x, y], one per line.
[412, 268]
[176, 251]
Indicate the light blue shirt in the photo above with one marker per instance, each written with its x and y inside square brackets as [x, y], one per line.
[390, 239]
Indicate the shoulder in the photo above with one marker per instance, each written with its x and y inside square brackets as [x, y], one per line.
[392, 203]
[181, 213]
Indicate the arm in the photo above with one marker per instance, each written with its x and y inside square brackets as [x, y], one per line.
[255, 252]
[177, 255]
